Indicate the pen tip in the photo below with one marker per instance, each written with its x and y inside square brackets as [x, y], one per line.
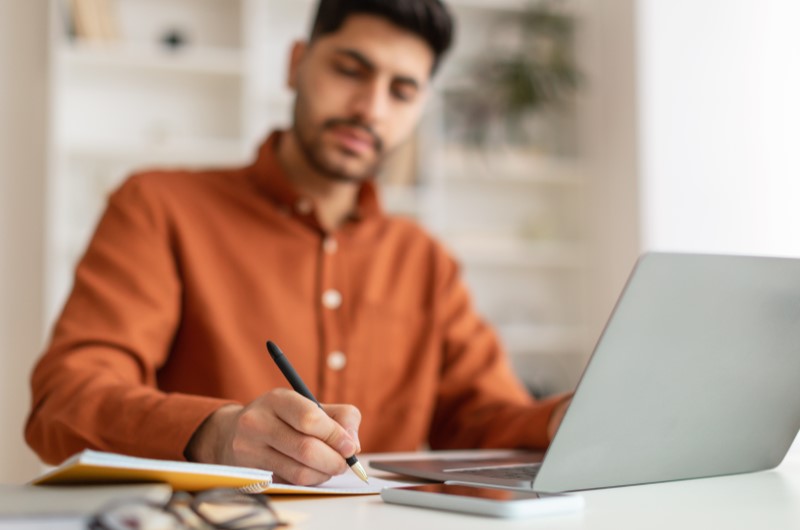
[358, 469]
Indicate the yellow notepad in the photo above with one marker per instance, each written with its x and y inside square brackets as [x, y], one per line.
[95, 467]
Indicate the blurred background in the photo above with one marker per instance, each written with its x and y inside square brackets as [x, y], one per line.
[563, 140]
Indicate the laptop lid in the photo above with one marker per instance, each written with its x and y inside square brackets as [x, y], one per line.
[694, 376]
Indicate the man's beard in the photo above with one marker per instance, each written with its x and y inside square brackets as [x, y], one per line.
[313, 148]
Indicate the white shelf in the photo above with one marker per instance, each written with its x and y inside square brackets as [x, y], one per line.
[517, 252]
[399, 199]
[506, 5]
[141, 56]
[534, 178]
[538, 339]
[269, 100]
[569, 6]
[507, 166]
[194, 151]
[494, 5]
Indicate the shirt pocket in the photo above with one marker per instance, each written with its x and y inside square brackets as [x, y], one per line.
[400, 367]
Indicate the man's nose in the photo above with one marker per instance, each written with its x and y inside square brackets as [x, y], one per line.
[371, 102]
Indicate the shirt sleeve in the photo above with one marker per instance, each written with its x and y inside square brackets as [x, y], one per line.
[481, 403]
[95, 385]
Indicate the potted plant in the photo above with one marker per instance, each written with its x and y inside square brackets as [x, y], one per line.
[514, 95]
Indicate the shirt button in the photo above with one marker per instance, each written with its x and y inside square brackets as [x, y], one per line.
[330, 245]
[332, 299]
[336, 360]
[303, 206]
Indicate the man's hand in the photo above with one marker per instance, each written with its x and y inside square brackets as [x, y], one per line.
[281, 431]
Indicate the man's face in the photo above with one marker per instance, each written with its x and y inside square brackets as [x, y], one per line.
[360, 92]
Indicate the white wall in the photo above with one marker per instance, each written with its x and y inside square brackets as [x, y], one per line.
[719, 111]
[23, 97]
[720, 121]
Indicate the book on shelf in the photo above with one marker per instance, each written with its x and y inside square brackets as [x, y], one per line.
[94, 20]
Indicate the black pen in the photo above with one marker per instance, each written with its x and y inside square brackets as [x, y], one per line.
[300, 387]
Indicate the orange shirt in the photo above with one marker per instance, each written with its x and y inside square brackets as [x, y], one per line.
[189, 273]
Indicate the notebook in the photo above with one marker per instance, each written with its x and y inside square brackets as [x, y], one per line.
[96, 467]
[695, 375]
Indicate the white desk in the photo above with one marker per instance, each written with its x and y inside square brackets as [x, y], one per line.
[769, 499]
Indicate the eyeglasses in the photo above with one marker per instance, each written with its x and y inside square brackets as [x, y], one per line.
[216, 509]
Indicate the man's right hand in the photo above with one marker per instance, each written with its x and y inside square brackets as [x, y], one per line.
[281, 431]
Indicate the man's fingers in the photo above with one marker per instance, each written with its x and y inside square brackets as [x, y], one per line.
[306, 450]
[284, 432]
[287, 469]
[263, 426]
[349, 417]
[304, 416]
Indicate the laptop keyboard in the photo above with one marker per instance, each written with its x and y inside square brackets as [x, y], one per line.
[515, 472]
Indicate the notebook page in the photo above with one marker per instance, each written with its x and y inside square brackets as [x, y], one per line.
[130, 462]
[346, 484]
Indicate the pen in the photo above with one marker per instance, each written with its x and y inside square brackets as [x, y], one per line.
[300, 387]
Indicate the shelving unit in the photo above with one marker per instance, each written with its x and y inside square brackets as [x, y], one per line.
[207, 61]
[512, 216]
[129, 101]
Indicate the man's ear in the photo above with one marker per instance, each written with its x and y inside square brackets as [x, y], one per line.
[298, 53]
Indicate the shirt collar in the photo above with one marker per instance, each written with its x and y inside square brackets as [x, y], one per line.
[272, 180]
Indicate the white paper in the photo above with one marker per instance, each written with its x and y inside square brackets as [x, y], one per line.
[346, 484]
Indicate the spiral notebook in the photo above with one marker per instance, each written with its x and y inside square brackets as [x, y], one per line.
[95, 467]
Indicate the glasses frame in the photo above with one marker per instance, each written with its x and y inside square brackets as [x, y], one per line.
[194, 502]
[232, 496]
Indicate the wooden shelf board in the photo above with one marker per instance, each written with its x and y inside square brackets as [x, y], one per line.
[192, 60]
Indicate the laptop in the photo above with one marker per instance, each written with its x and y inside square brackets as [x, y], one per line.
[695, 375]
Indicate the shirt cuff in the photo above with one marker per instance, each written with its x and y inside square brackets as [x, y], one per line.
[179, 416]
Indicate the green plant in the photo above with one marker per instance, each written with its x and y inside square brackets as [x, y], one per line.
[508, 86]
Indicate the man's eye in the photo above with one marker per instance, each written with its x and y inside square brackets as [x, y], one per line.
[403, 94]
[348, 71]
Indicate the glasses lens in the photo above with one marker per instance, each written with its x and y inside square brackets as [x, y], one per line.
[231, 510]
[135, 516]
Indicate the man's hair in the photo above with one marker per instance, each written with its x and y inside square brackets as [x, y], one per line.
[430, 19]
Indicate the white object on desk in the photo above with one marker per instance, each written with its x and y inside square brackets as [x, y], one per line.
[495, 502]
[26, 500]
[26, 507]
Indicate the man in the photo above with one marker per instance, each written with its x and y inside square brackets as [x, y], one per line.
[159, 351]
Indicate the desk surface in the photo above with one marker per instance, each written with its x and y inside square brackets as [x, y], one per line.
[769, 499]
